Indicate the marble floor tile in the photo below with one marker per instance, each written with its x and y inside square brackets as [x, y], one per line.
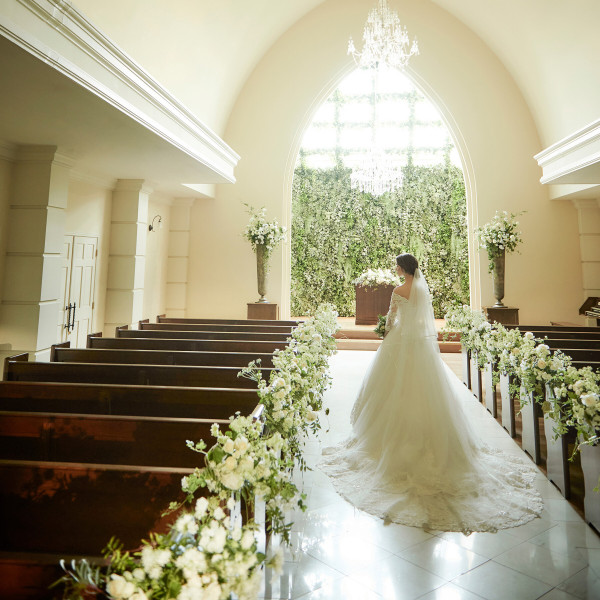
[348, 553]
[450, 591]
[493, 581]
[344, 588]
[557, 594]
[568, 537]
[397, 579]
[484, 544]
[443, 558]
[539, 562]
[584, 585]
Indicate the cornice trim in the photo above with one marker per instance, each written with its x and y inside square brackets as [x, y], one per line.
[577, 151]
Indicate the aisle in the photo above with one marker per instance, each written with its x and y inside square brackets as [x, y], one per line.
[344, 554]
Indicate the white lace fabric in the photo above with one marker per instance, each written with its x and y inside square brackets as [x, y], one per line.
[413, 457]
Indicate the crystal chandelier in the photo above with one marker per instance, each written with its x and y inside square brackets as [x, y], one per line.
[377, 174]
[385, 41]
[386, 45]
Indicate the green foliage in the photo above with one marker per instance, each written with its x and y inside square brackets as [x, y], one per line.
[338, 232]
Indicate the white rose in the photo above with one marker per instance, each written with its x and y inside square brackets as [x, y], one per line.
[529, 335]
[516, 351]
[247, 540]
[241, 444]
[311, 415]
[228, 446]
[219, 514]
[589, 400]
[542, 364]
[230, 464]
[119, 588]
[139, 574]
[201, 507]
[232, 481]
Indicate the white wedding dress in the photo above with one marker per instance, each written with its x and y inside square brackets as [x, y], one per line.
[413, 457]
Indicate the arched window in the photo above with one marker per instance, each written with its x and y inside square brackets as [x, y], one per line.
[377, 109]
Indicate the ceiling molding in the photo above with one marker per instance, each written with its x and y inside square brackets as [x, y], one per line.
[69, 43]
[574, 159]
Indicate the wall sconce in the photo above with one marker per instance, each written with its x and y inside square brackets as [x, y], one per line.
[157, 226]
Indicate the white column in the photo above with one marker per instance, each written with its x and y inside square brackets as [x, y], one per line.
[127, 254]
[588, 212]
[177, 265]
[36, 225]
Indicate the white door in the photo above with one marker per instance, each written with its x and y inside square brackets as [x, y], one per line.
[80, 276]
[67, 259]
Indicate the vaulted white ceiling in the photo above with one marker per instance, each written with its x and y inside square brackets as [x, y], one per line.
[203, 51]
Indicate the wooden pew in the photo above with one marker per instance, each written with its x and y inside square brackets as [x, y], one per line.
[286, 329]
[110, 399]
[202, 335]
[170, 375]
[97, 341]
[159, 357]
[109, 439]
[70, 508]
[262, 322]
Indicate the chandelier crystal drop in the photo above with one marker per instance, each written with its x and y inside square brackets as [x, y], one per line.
[377, 174]
[386, 42]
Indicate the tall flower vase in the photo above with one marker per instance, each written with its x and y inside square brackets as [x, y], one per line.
[262, 271]
[498, 278]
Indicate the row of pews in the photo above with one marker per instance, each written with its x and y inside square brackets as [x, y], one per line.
[92, 443]
[582, 345]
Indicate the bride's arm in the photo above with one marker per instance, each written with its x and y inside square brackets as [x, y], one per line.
[391, 316]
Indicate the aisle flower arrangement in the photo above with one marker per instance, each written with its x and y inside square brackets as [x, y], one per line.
[376, 277]
[500, 235]
[575, 399]
[210, 552]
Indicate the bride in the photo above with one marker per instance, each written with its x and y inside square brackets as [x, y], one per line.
[413, 457]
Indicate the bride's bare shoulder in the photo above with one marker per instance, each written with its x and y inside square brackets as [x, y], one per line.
[401, 291]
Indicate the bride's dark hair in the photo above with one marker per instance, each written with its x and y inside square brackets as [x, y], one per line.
[407, 262]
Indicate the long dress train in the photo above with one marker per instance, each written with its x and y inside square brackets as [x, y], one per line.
[413, 457]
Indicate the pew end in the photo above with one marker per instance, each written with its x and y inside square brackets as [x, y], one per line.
[88, 343]
[54, 347]
[119, 329]
[8, 362]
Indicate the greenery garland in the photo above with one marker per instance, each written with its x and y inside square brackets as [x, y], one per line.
[339, 233]
[209, 552]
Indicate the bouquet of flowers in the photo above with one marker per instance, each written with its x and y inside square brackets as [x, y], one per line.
[375, 277]
[500, 234]
[260, 231]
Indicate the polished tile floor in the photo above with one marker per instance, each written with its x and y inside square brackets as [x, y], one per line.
[340, 553]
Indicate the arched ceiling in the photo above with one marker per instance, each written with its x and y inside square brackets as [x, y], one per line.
[203, 51]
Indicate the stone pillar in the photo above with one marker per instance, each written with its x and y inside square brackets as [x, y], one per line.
[127, 254]
[36, 227]
[589, 243]
[177, 265]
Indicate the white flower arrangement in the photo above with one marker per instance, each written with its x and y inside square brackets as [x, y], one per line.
[376, 277]
[501, 234]
[209, 553]
[259, 231]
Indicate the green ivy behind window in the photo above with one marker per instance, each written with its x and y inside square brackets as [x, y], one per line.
[337, 233]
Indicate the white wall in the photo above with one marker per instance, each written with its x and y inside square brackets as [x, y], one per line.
[493, 129]
[157, 246]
